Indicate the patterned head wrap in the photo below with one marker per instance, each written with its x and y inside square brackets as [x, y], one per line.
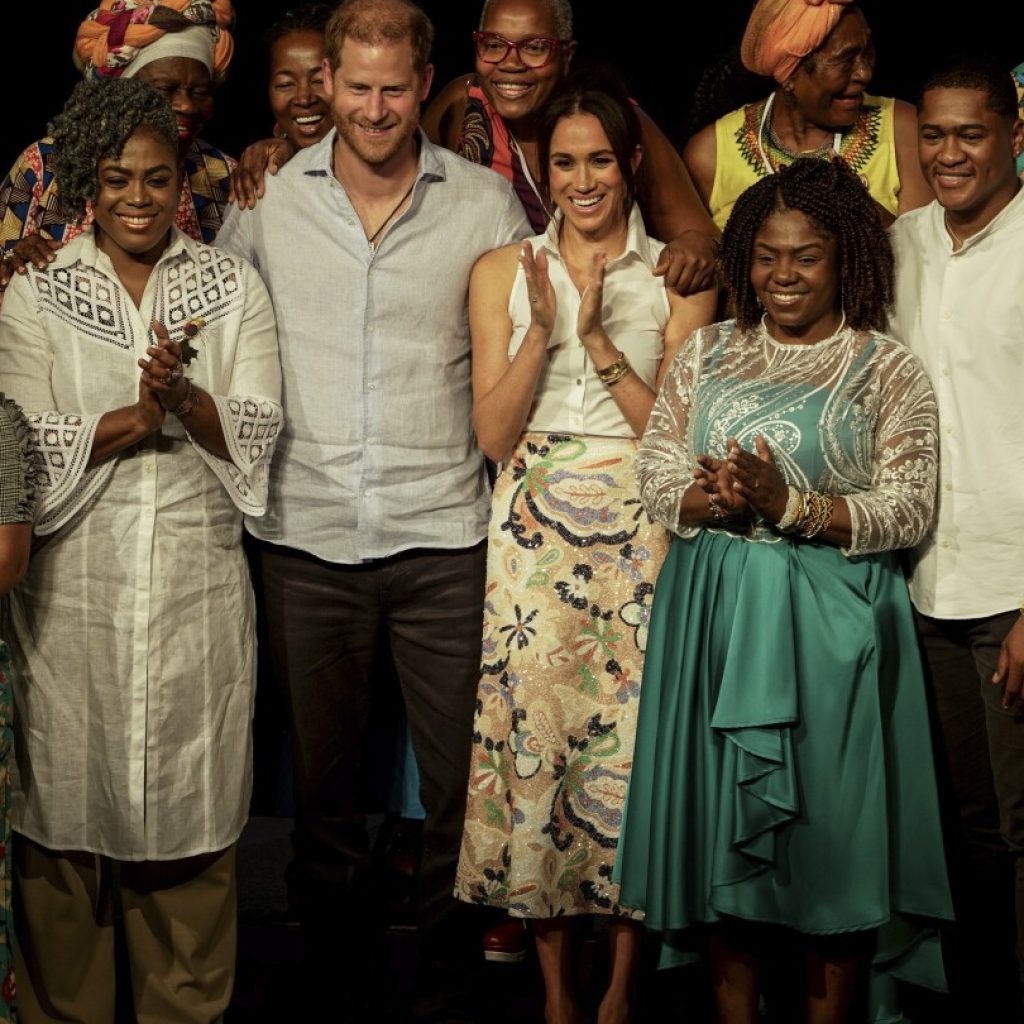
[780, 33]
[122, 36]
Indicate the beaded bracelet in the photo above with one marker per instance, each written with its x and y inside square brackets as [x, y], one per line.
[188, 403]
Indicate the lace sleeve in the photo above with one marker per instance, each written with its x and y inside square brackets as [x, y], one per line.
[17, 492]
[250, 410]
[250, 425]
[897, 511]
[60, 442]
[664, 462]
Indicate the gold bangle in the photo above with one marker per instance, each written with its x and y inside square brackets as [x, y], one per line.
[818, 517]
[612, 374]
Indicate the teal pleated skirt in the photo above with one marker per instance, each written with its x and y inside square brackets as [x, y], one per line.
[783, 767]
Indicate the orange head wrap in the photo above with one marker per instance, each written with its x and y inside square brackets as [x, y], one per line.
[781, 33]
[114, 35]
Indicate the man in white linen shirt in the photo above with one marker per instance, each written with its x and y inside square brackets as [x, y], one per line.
[379, 500]
[960, 307]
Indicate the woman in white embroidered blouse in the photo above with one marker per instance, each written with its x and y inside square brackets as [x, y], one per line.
[568, 348]
[147, 363]
[783, 782]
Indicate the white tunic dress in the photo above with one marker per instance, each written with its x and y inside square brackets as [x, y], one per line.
[134, 626]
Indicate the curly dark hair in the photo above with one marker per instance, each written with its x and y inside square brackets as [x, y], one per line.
[834, 200]
[96, 122]
[305, 18]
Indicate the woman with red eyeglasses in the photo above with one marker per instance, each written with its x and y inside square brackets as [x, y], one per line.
[523, 49]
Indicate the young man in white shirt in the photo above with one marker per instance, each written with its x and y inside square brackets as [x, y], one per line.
[960, 307]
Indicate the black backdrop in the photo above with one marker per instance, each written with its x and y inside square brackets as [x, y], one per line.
[659, 48]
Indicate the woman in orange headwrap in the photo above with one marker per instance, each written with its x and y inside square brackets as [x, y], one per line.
[822, 57]
[180, 47]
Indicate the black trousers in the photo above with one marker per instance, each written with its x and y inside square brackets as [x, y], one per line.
[324, 623]
[981, 752]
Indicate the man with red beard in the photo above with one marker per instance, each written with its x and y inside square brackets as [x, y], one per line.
[960, 308]
[379, 501]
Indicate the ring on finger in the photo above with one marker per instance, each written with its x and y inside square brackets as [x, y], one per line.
[176, 372]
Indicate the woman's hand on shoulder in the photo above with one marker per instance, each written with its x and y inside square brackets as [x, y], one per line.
[32, 250]
[265, 157]
[688, 263]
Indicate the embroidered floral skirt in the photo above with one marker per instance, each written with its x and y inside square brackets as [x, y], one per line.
[571, 567]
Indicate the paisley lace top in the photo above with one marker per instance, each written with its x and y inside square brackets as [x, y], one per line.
[853, 415]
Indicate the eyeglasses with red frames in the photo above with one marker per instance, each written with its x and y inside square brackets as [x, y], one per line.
[535, 52]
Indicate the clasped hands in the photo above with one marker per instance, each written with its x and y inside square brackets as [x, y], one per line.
[162, 383]
[744, 482]
[544, 305]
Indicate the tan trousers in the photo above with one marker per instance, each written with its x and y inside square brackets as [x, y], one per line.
[180, 931]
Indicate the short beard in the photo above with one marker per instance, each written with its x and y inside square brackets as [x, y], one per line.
[375, 157]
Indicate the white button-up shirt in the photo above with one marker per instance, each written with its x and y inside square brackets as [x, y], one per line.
[133, 629]
[378, 454]
[962, 314]
[570, 397]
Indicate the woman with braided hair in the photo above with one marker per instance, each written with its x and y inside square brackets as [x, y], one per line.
[782, 778]
[181, 48]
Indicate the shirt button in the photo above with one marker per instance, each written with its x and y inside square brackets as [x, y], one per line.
[371, 440]
[947, 487]
[947, 315]
[371, 386]
[945, 371]
[369, 328]
[579, 380]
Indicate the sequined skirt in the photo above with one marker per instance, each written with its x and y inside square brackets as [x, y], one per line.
[572, 563]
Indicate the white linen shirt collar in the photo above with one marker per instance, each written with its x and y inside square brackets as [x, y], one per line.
[88, 253]
[638, 245]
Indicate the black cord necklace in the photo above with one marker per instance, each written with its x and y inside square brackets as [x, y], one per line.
[372, 240]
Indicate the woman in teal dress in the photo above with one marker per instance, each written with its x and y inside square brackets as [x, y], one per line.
[783, 787]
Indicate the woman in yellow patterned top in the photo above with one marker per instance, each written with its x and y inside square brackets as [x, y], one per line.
[180, 48]
[822, 57]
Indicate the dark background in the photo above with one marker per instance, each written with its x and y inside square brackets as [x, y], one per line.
[660, 49]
